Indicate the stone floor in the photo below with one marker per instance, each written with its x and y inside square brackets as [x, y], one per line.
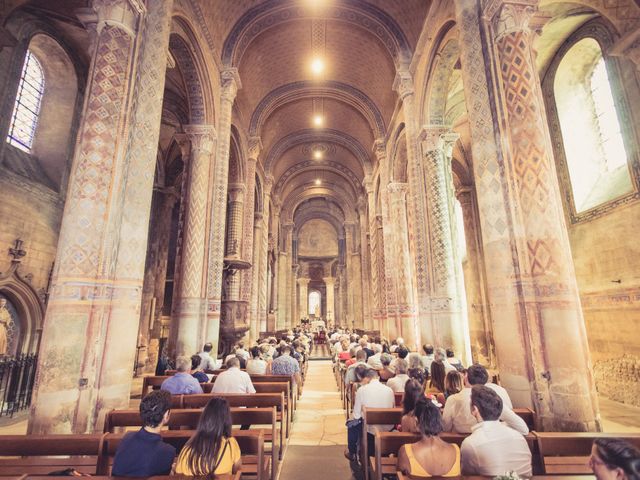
[318, 436]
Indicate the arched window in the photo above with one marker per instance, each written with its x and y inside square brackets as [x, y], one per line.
[314, 302]
[594, 149]
[27, 106]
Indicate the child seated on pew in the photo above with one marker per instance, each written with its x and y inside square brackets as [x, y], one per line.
[143, 453]
[211, 450]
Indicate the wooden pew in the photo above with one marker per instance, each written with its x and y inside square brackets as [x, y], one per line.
[35, 453]
[375, 416]
[568, 453]
[527, 415]
[254, 400]
[251, 442]
[152, 382]
[387, 444]
[187, 419]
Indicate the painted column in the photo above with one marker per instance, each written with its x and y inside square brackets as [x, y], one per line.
[417, 203]
[198, 144]
[293, 295]
[446, 298]
[405, 307]
[257, 266]
[365, 277]
[284, 272]
[88, 343]
[235, 234]
[265, 280]
[155, 273]
[480, 328]
[303, 285]
[558, 359]
[248, 241]
[230, 83]
[541, 348]
[330, 283]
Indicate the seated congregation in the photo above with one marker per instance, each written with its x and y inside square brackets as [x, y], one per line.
[451, 420]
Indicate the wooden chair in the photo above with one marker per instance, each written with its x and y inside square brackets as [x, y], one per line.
[152, 382]
[568, 453]
[42, 454]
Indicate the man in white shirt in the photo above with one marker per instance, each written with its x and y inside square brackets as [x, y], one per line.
[207, 362]
[457, 410]
[372, 394]
[233, 380]
[397, 383]
[492, 448]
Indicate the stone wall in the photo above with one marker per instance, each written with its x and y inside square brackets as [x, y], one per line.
[606, 252]
[31, 212]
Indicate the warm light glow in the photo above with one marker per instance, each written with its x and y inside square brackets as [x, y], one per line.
[318, 181]
[317, 66]
[317, 121]
[317, 154]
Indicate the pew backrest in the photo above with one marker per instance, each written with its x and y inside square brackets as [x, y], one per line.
[41, 454]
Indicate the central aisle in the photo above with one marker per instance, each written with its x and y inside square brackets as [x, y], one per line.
[318, 436]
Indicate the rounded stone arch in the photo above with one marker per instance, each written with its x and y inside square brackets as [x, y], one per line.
[185, 49]
[307, 89]
[29, 307]
[272, 13]
[313, 165]
[621, 19]
[439, 81]
[304, 193]
[398, 164]
[317, 135]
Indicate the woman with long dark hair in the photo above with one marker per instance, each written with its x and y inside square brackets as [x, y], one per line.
[413, 391]
[211, 450]
[430, 456]
[614, 459]
[436, 384]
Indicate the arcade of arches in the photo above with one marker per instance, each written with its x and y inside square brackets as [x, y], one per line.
[458, 172]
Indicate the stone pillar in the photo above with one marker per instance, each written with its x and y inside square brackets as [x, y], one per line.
[265, 280]
[230, 83]
[353, 285]
[155, 274]
[446, 298]
[480, 328]
[235, 235]
[249, 242]
[331, 302]
[303, 285]
[541, 348]
[365, 276]
[88, 343]
[405, 307]
[293, 295]
[257, 266]
[197, 144]
[284, 272]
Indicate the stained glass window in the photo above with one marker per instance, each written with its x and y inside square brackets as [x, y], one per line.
[27, 106]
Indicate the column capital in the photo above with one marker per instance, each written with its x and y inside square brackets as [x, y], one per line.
[367, 183]
[268, 184]
[287, 226]
[397, 187]
[258, 216]
[509, 16]
[628, 46]
[361, 204]
[380, 149]
[236, 192]
[329, 280]
[255, 147]
[403, 83]
[196, 138]
[430, 136]
[303, 281]
[121, 13]
[230, 83]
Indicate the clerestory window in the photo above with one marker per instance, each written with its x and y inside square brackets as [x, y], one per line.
[26, 109]
[592, 136]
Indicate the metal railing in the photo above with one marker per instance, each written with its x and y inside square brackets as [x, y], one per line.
[17, 375]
